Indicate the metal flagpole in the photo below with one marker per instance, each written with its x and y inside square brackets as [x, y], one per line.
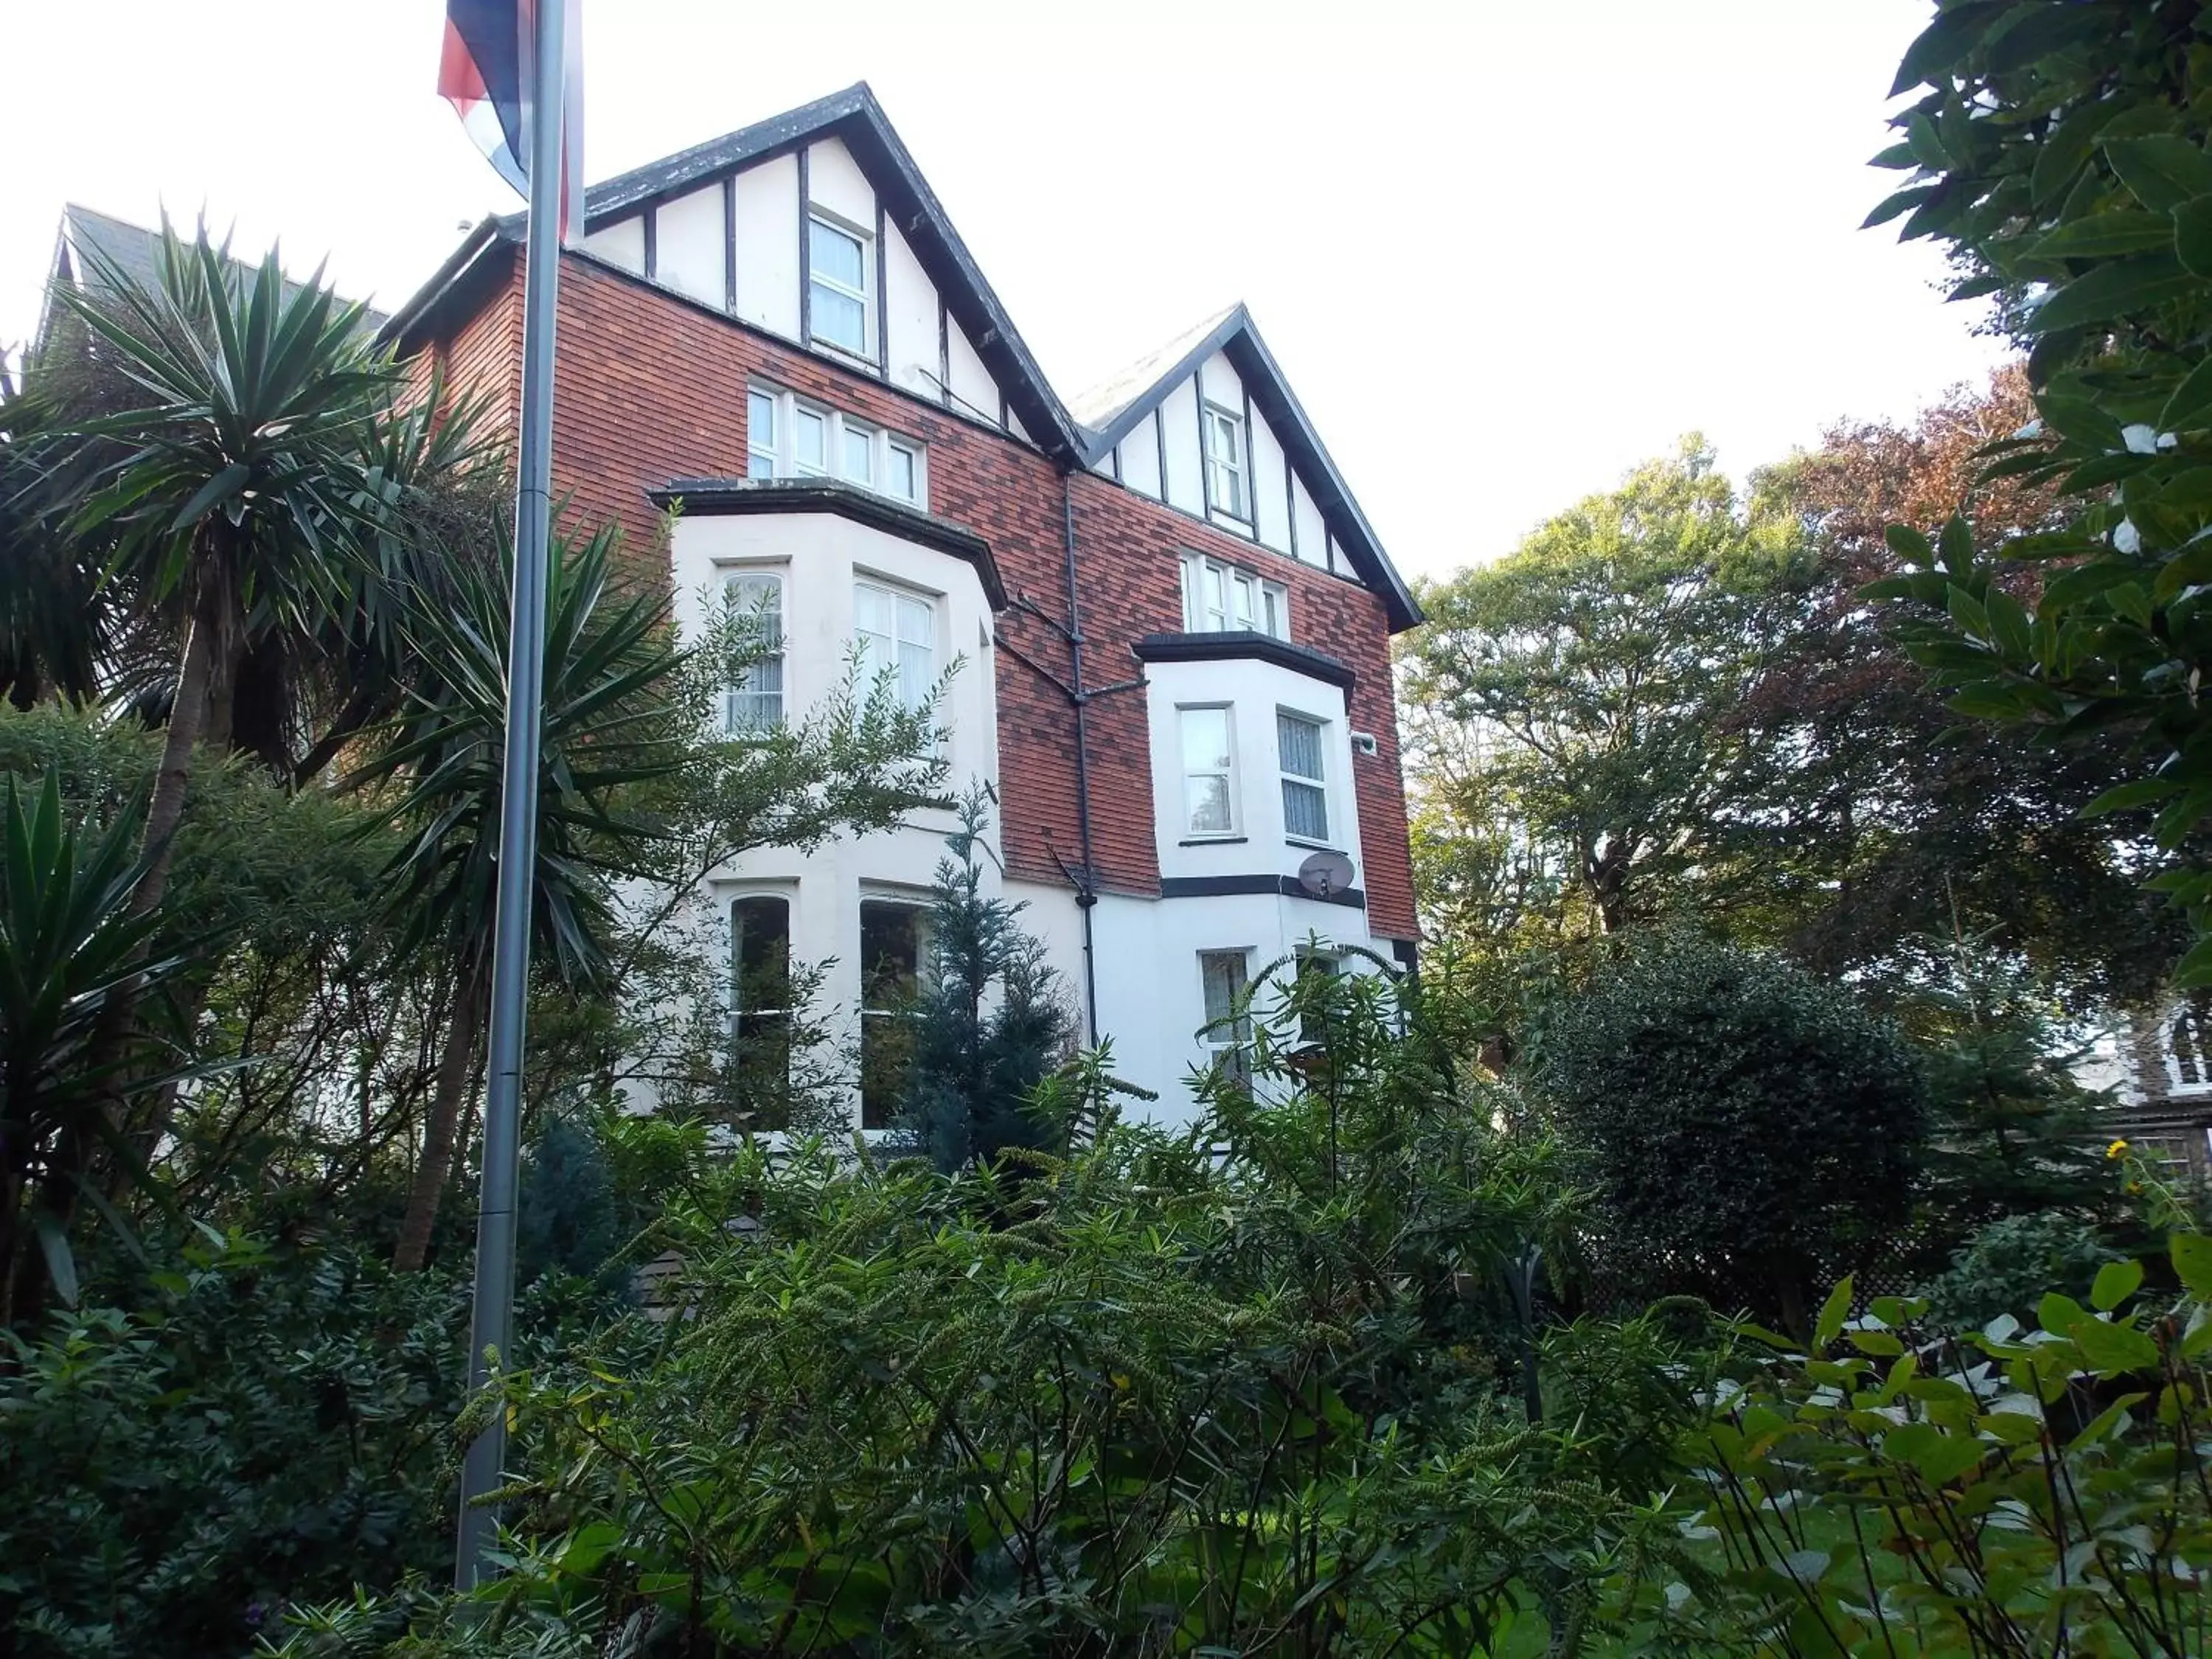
[492, 1322]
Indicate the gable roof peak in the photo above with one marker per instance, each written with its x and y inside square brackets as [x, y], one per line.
[1098, 407]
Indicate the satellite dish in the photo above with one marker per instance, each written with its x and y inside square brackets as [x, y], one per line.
[1326, 874]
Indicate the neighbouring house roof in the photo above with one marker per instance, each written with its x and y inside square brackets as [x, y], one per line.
[89, 236]
[1113, 409]
[854, 117]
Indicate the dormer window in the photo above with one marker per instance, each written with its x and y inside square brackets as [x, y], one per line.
[1219, 598]
[837, 286]
[1225, 492]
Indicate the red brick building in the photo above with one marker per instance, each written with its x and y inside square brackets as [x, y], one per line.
[1172, 620]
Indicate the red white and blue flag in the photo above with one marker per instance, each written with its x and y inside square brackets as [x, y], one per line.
[486, 75]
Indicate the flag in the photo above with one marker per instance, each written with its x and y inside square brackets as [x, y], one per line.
[486, 74]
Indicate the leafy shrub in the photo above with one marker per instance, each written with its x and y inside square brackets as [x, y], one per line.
[2008, 1266]
[265, 1428]
[1745, 1121]
[2013, 1493]
[1228, 1391]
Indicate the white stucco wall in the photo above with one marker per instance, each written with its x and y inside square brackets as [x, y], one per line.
[690, 245]
[820, 555]
[972, 384]
[911, 312]
[1270, 498]
[835, 181]
[1140, 456]
[1312, 531]
[1178, 414]
[622, 243]
[768, 246]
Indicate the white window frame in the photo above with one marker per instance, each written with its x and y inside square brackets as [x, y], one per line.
[1228, 1037]
[1318, 784]
[748, 686]
[863, 296]
[763, 448]
[774, 453]
[1235, 828]
[904, 602]
[1234, 469]
[1249, 601]
[2185, 1023]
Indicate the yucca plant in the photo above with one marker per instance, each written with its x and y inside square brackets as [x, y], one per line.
[237, 488]
[609, 723]
[70, 942]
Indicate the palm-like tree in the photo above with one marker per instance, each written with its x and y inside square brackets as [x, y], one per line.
[236, 497]
[609, 723]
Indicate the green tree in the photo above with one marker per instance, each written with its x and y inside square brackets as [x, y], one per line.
[2059, 157]
[990, 1022]
[604, 730]
[1572, 702]
[1749, 1126]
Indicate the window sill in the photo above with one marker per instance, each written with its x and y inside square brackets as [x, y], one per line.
[1212, 840]
[1317, 846]
[844, 354]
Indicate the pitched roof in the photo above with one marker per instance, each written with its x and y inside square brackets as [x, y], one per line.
[855, 117]
[135, 251]
[1115, 408]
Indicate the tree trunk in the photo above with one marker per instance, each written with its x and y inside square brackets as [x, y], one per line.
[455, 1068]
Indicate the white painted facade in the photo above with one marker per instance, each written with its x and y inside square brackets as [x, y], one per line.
[687, 243]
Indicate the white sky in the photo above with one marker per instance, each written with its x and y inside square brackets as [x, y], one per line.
[1503, 249]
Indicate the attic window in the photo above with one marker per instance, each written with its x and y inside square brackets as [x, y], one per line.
[837, 286]
[1225, 462]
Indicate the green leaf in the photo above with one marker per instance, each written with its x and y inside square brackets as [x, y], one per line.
[2192, 234]
[2110, 292]
[2128, 796]
[1902, 201]
[2116, 1282]
[1897, 156]
[1940, 1457]
[1956, 546]
[1833, 1312]
[2007, 623]
[2063, 150]
[2112, 1347]
[2187, 409]
[1909, 544]
[2162, 170]
[2192, 1263]
[2107, 235]
[1968, 612]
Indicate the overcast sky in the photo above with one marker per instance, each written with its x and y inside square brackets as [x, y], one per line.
[1503, 249]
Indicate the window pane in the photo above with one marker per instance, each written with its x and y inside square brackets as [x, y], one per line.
[903, 482]
[917, 623]
[810, 433]
[1209, 806]
[1305, 811]
[1244, 591]
[839, 318]
[872, 609]
[836, 255]
[760, 420]
[760, 945]
[1223, 973]
[1275, 611]
[917, 674]
[756, 702]
[1205, 739]
[1190, 606]
[890, 972]
[860, 455]
[1299, 742]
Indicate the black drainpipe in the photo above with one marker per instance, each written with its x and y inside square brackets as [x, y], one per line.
[1086, 892]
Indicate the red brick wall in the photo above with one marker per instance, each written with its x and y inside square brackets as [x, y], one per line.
[650, 388]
